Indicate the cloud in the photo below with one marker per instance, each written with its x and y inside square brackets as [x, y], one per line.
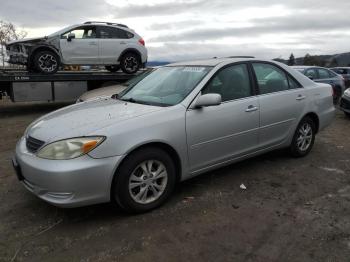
[42, 13]
[176, 30]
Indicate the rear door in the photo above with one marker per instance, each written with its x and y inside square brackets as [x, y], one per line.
[219, 133]
[112, 42]
[83, 49]
[282, 101]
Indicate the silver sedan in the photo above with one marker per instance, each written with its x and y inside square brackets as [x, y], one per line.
[181, 120]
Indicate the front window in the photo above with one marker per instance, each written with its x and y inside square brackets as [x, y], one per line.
[166, 86]
[82, 32]
[231, 83]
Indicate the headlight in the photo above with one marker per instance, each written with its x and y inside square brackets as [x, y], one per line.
[347, 92]
[70, 148]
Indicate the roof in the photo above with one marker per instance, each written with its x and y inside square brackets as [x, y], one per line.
[303, 67]
[211, 62]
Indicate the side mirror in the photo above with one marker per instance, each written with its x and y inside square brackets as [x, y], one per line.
[70, 37]
[208, 100]
[311, 77]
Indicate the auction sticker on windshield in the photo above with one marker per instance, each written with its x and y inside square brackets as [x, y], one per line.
[194, 69]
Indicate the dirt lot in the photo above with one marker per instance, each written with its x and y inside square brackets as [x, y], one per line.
[292, 210]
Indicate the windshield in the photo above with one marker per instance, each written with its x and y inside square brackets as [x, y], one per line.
[64, 30]
[137, 78]
[165, 86]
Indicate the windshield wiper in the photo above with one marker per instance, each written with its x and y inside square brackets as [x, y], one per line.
[131, 100]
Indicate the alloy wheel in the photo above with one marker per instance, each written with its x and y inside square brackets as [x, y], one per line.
[131, 64]
[47, 63]
[304, 139]
[148, 181]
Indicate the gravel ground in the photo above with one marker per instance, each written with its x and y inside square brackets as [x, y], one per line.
[292, 210]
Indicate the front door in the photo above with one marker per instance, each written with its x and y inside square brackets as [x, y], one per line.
[83, 49]
[220, 133]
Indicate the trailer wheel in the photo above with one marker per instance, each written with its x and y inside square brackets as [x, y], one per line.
[46, 62]
[112, 68]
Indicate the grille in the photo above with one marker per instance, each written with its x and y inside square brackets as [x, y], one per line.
[345, 104]
[33, 144]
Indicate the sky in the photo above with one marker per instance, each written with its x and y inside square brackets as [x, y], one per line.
[195, 29]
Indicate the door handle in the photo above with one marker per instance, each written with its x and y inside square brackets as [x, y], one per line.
[251, 108]
[300, 97]
[123, 43]
[92, 43]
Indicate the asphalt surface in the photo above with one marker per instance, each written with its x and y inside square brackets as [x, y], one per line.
[291, 210]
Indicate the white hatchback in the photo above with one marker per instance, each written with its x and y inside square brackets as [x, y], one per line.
[112, 45]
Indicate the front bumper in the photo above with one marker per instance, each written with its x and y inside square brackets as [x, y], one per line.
[66, 183]
[18, 59]
[345, 104]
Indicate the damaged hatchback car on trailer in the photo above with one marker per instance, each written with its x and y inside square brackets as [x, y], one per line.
[112, 45]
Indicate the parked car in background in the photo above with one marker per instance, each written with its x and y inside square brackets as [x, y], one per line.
[108, 91]
[92, 43]
[324, 75]
[181, 120]
[345, 102]
[345, 72]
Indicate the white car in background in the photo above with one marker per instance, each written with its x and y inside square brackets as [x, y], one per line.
[112, 45]
[110, 90]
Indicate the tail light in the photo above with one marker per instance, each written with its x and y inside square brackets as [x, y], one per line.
[142, 42]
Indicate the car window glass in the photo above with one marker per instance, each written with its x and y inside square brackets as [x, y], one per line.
[311, 73]
[166, 85]
[231, 83]
[114, 33]
[322, 73]
[82, 32]
[270, 78]
[331, 74]
[292, 83]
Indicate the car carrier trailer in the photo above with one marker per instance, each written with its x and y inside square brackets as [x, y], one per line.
[22, 86]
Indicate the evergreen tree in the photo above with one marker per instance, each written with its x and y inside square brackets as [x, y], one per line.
[291, 60]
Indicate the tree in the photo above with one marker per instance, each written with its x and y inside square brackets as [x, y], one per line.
[333, 63]
[291, 60]
[307, 59]
[8, 32]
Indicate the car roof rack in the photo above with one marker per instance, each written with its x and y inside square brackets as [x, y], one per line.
[106, 23]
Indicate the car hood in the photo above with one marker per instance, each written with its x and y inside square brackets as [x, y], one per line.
[85, 118]
[102, 92]
[27, 40]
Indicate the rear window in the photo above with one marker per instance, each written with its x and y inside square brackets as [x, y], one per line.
[341, 71]
[323, 74]
[106, 32]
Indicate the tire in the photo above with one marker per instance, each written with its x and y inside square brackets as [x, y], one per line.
[46, 62]
[347, 114]
[130, 63]
[31, 68]
[112, 68]
[130, 197]
[305, 133]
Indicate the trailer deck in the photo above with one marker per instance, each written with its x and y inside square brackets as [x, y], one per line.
[63, 86]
